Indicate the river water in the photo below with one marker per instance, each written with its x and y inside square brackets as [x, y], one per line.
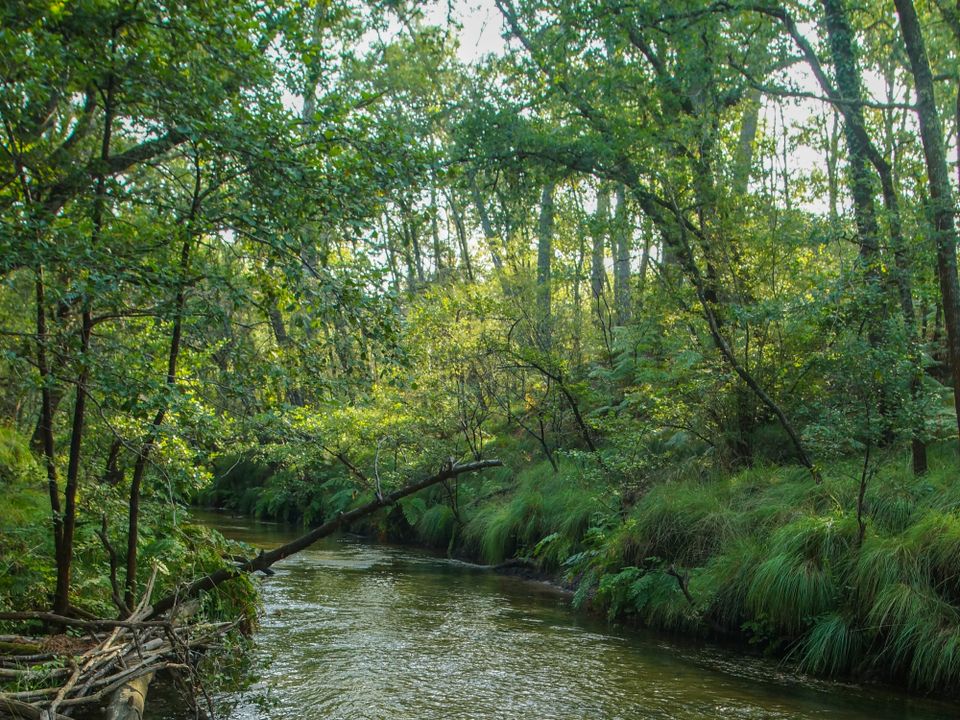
[361, 631]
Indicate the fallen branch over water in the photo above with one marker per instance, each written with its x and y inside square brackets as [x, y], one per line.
[116, 663]
[342, 521]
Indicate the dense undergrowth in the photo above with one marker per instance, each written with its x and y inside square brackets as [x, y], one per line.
[762, 556]
[177, 548]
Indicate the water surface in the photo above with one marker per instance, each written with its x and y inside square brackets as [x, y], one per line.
[358, 631]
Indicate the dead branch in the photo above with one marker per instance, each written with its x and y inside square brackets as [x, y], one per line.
[342, 521]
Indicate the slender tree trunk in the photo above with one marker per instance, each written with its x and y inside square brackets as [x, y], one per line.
[313, 68]
[489, 234]
[861, 180]
[292, 393]
[578, 300]
[61, 599]
[461, 235]
[435, 232]
[644, 262]
[901, 277]
[414, 236]
[941, 194]
[391, 251]
[544, 262]
[833, 183]
[56, 395]
[176, 334]
[598, 272]
[743, 161]
[862, 184]
[622, 240]
[45, 426]
[408, 257]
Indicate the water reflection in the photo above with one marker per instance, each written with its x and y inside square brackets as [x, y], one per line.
[357, 631]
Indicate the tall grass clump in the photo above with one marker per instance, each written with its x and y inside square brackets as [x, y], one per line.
[723, 586]
[919, 632]
[936, 537]
[777, 560]
[437, 525]
[683, 522]
[544, 516]
[832, 646]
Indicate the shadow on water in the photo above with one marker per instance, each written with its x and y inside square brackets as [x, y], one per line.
[353, 630]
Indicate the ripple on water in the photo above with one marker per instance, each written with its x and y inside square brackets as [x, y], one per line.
[354, 631]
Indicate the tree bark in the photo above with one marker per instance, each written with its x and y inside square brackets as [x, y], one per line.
[743, 160]
[544, 263]
[461, 235]
[128, 702]
[621, 237]
[61, 599]
[598, 270]
[435, 231]
[862, 184]
[45, 426]
[941, 194]
[489, 234]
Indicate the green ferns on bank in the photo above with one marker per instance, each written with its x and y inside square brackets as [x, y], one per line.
[178, 549]
[768, 556]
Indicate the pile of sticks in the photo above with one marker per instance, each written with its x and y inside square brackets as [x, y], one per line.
[109, 665]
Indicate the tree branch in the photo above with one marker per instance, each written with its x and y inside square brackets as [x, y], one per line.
[342, 521]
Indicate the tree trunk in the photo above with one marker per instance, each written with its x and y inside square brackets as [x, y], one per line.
[544, 262]
[833, 183]
[941, 195]
[45, 426]
[861, 181]
[577, 298]
[743, 161]
[862, 184]
[489, 234]
[128, 702]
[61, 599]
[412, 232]
[435, 231]
[622, 236]
[176, 332]
[461, 235]
[598, 271]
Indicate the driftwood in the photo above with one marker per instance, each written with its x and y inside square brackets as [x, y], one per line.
[128, 701]
[115, 664]
[16, 709]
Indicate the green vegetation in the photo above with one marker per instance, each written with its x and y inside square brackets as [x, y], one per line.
[170, 542]
[688, 269]
[767, 557]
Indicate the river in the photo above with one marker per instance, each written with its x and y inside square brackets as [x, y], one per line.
[360, 631]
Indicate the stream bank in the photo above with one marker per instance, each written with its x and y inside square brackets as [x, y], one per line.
[354, 629]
